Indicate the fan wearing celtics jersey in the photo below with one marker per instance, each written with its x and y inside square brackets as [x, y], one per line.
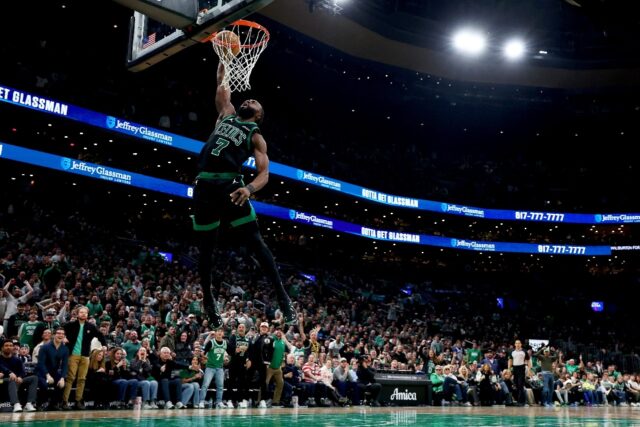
[215, 347]
[239, 367]
[27, 329]
[221, 198]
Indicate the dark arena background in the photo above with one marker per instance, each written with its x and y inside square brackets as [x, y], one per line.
[452, 206]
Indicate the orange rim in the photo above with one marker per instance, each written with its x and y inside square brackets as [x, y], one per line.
[241, 23]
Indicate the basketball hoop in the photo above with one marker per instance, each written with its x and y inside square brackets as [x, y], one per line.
[252, 39]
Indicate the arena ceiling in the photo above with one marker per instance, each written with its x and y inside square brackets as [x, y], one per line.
[570, 44]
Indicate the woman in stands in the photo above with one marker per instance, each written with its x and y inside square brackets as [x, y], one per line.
[487, 384]
[141, 370]
[98, 382]
[122, 378]
[472, 390]
[191, 378]
[151, 353]
[322, 358]
[430, 362]
[184, 352]
[507, 388]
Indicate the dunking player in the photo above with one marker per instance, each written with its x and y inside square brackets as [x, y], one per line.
[221, 199]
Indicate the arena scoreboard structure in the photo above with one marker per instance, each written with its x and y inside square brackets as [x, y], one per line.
[159, 29]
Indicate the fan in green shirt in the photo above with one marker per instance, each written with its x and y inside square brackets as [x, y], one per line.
[94, 306]
[28, 328]
[572, 367]
[148, 330]
[611, 370]
[195, 307]
[215, 350]
[132, 346]
[278, 352]
[77, 348]
[437, 380]
[474, 354]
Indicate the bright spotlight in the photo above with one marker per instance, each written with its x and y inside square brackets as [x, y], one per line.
[514, 49]
[469, 42]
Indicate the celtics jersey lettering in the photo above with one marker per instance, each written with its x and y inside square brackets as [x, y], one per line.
[242, 344]
[28, 328]
[229, 146]
[215, 356]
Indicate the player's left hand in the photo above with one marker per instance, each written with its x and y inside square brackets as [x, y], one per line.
[240, 196]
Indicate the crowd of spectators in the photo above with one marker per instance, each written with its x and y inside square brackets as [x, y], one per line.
[59, 267]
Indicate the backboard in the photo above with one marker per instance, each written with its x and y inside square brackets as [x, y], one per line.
[152, 38]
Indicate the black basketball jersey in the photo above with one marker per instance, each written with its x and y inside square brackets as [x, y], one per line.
[243, 344]
[229, 146]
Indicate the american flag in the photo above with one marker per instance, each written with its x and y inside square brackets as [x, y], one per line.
[149, 40]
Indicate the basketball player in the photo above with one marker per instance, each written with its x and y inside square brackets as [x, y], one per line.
[221, 198]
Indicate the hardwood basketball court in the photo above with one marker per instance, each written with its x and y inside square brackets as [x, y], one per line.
[311, 417]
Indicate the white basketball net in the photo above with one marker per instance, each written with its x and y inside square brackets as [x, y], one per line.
[237, 69]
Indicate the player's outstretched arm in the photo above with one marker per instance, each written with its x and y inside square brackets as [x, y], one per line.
[223, 95]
